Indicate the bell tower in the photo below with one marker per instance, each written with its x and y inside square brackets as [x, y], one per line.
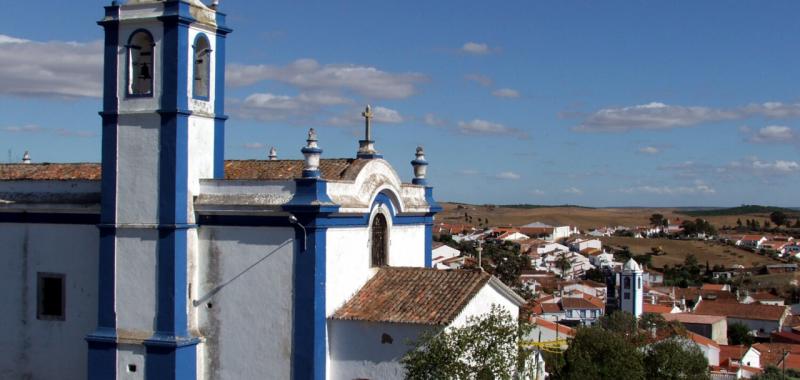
[163, 130]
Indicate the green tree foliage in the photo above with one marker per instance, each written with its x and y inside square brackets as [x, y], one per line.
[486, 348]
[675, 359]
[690, 273]
[597, 353]
[739, 333]
[595, 274]
[563, 263]
[698, 226]
[779, 218]
[657, 220]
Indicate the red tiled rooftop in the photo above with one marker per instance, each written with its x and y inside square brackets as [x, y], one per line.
[731, 352]
[413, 295]
[694, 318]
[332, 169]
[697, 338]
[656, 309]
[771, 353]
[562, 330]
[742, 311]
[551, 308]
[580, 303]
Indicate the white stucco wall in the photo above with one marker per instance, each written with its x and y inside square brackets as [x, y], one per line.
[347, 265]
[137, 168]
[197, 105]
[357, 351]
[136, 280]
[407, 246]
[244, 310]
[482, 304]
[46, 349]
[201, 151]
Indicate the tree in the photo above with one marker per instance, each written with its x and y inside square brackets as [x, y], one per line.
[739, 333]
[485, 348]
[738, 222]
[657, 220]
[563, 263]
[597, 353]
[775, 373]
[675, 358]
[797, 223]
[779, 218]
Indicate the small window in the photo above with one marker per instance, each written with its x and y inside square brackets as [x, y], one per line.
[379, 227]
[202, 67]
[626, 296]
[140, 64]
[51, 296]
[627, 282]
[640, 282]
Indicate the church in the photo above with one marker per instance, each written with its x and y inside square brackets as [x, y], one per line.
[166, 261]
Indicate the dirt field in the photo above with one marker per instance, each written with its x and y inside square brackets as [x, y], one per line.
[583, 218]
[677, 250]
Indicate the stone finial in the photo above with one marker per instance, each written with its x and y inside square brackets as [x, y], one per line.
[214, 4]
[366, 147]
[273, 154]
[420, 166]
[26, 158]
[311, 152]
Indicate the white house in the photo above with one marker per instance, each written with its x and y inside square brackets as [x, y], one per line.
[751, 241]
[579, 245]
[442, 253]
[166, 261]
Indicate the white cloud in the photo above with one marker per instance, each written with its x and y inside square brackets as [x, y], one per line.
[468, 172]
[573, 190]
[254, 146]
[537, 192]
[506, 93]
[54, 68]
[29, 128]
[73, 133]
[386, 115]
[508, 176]
[308, 74]
[651, 116]
[268, 106]
[698, 188]
[773, 134]
[483, 127]
[482, 80]
[475, 48]
[756, 167]
[433, 120]
[656, 115]
[649, 150]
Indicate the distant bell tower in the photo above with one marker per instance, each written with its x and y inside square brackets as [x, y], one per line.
[630, 288]
[163, 130]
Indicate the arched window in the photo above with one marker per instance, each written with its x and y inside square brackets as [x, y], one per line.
[140, 64]
[378, 249]
[202, 67]
[627, 282]
[640, 283]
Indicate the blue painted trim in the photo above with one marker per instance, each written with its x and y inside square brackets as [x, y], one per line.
[419, 181]
[311, 173]
[127, 69]
[311, 195]
[171, 318]
[429, 245]
[368, 156]
[102, 356]
[171, 359]
[49, 218]
[207, 67]
[433, 206]
[219, 102]
[310, 325]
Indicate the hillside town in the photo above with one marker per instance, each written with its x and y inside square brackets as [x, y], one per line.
[572, 280]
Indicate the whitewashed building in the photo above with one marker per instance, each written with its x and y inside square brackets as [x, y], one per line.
[173, 263]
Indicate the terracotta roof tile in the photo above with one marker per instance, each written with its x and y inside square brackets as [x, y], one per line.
[413, 295]
[54, 172]
[742, 311]
[656, 309]
[580, 303]
[562, 329]
[694, 318]
[699, 339]
[731, 352]
[332, 169]
[772, 353]
[551, 307]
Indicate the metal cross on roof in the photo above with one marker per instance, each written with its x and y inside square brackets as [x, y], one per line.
[367, 114]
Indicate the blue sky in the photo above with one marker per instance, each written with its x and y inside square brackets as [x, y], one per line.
[635, 103]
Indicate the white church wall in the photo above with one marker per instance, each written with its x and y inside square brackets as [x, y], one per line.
[482, 303]
[347, 265]
[359, 350]
[136, 280]
[201, 143]
[244, 302]
[47, 349]
[130, 362]
[407, 247]
[137, 187]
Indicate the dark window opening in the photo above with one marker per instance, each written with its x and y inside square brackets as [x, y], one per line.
[627, 282]
[202, 67]
[140, 64]
[51, 294]
[386, 339]
[379, 241]
[627, 296]
[131, 367]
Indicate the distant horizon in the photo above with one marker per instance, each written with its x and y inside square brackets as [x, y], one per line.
[795, 208]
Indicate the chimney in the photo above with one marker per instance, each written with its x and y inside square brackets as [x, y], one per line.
[26, 158]
[273, 154]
